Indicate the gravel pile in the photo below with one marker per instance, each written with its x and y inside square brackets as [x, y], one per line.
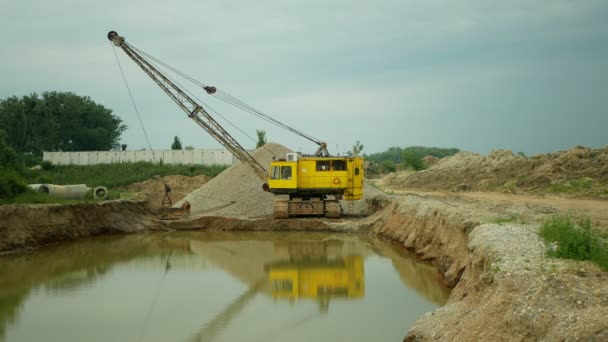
[237, 192]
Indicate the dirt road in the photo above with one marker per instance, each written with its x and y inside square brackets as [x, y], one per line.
[504, 205]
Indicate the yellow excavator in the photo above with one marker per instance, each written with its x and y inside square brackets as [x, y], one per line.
[312, 185]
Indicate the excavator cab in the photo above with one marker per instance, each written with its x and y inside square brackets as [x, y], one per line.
[315, 184]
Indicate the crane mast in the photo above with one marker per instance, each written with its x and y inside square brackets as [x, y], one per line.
[194, 110]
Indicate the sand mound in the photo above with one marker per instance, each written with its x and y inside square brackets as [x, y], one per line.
[578, 169]
[237, 192]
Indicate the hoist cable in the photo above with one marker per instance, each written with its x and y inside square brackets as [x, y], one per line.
[229, 98]
[210, 108]
[141, 123]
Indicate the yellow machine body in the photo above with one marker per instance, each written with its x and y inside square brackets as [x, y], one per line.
[318, 177]
[343, 278]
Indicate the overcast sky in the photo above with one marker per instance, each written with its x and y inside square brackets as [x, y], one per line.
[479, 75]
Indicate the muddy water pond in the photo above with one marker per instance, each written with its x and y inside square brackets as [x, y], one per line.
[216, 286]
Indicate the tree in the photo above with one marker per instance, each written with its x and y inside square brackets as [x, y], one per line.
[410, 158]
[189, 147]
[58, 121]
[177, 145]
[261, 138]
[357, 148]
[11, 182]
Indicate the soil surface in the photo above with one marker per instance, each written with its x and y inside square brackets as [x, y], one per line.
[505, 287]
[578, 172]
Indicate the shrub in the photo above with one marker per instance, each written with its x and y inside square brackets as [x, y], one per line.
[388, 166]
[574, 241]
[47, 165]
[414, 161]
[11, 184]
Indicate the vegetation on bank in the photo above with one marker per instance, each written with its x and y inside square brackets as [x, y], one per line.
[14, 177]
[397, 158]
[114, 175]
[11, 180]
[574, 240]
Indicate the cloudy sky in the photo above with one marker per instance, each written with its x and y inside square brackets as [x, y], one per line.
[479, 75]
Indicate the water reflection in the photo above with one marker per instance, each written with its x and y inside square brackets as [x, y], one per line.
[265, 271]
[317, 271]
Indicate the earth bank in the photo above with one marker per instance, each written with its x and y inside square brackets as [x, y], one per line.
[504, 288]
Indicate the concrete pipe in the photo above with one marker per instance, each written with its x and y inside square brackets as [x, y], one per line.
[101, 193]
[34, 186]
[70, 192]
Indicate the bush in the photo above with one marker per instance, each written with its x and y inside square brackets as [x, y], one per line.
[414, 161]
[388, 166]
[11, 184]
[47, 165]
[574, 241]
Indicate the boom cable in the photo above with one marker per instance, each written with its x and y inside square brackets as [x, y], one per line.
[213, 110]
[141, 123]
[223, 96]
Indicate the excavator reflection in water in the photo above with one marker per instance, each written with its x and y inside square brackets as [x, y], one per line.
[307, 270]
[312, 272]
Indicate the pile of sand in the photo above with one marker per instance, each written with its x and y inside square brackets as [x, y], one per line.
[237, 192]
[502, 169]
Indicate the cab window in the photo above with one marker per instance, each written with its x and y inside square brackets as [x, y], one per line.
[285, 172]
[322, 165]
[338, 165]
[275, 173]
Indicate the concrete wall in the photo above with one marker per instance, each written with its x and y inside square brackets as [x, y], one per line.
[204, 157]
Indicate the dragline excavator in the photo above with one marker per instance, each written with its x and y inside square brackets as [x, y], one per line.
[312, 185]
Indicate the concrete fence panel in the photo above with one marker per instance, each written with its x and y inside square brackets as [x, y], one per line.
[187, 157]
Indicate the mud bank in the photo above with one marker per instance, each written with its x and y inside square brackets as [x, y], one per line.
[28, 226]
[504, 288]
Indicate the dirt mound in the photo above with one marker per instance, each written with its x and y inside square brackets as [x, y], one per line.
[237, 192]
[582, 171]
[153, 190]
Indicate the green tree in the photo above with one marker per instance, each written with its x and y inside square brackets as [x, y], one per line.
[261, 138]
[177, 144]
[189, 147]
[11, 182]
[357, 148]
[388, 166]
[410, 158]
[396, 153]
[58, 121]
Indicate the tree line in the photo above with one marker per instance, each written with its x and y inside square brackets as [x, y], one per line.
[58, 121]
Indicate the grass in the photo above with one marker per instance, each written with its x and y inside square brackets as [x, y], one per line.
[573, 186]
[576, 241]
[111, 176]
[115, 175]
[31, 197]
